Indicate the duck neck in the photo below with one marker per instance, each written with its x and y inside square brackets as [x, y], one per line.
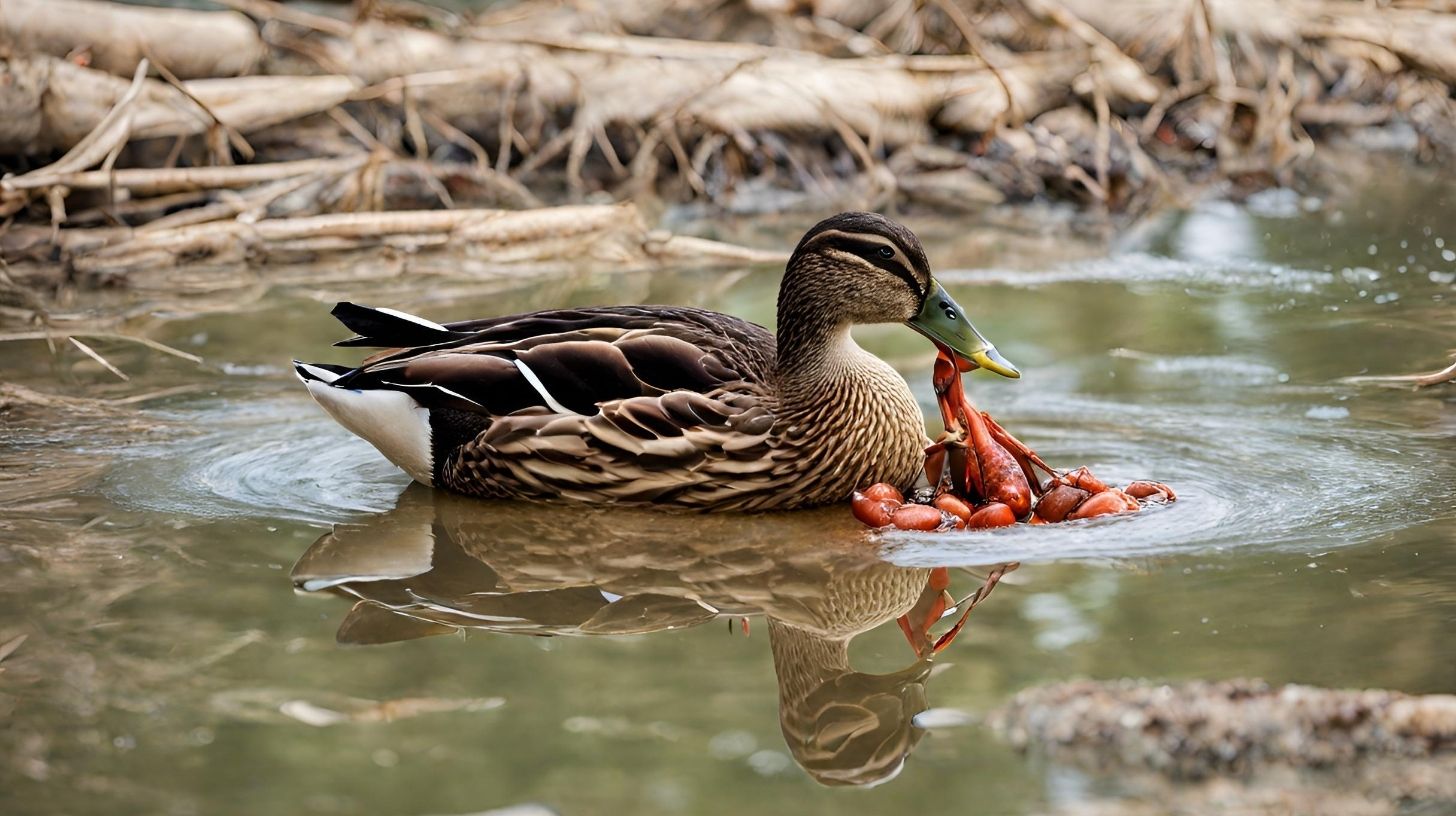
[815, 347]
[804, 660]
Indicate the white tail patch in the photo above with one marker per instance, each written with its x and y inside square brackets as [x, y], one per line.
[411, 318]
[389, 420]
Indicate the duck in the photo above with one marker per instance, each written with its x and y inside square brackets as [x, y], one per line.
[669, 406]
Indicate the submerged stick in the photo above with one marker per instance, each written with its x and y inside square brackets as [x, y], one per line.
[93, 354]
[1416, 381]
[145, 341]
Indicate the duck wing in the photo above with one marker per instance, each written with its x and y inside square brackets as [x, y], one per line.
[629, 403]
[568, 361]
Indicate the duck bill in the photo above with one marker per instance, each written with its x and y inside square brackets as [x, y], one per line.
[944, 321]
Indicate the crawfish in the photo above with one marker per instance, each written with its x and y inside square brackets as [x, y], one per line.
[985, 477]
[975, 458]
[979, 460]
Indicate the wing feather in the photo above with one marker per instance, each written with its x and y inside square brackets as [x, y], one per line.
[632, 403]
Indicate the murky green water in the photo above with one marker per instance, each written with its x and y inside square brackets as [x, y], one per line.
[171, 667]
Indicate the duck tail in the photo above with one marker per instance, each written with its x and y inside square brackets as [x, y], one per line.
[324, 373]
[391, 420]
[387, 328]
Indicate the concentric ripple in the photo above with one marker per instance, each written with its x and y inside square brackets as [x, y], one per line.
[1265, 477]
[279, 457]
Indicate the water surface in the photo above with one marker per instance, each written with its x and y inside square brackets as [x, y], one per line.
[151, 554]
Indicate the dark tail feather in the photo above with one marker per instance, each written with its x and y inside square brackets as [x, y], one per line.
[319, 372]
[388, 329]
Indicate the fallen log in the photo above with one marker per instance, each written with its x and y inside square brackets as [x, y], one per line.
[722, 87]
[149, 181]
[53, 104]
[116, 37]
[609, 234]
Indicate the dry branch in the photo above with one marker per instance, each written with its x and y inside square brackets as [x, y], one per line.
[721, 87]
[614, 233]
[150, 181]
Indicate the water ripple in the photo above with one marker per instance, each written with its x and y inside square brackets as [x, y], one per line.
[1274, 475]
[280, 457]
[1139, 267]
[1267, 477]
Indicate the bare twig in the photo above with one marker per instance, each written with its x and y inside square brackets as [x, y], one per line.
[157, 181]
[90, 352]
[978, 48]
[356, 129]
[148, 342]
[268, 10]
[414, 126]
[1102, 154]
[457, 136]
[1415, 381]
[508, 122]
[234, 138]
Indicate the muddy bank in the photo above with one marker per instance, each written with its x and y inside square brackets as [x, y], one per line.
[228, 123]
[1242, 745]
[1201, 728]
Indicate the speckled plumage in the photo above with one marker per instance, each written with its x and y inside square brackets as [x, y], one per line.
[744, 444]
[671, 405]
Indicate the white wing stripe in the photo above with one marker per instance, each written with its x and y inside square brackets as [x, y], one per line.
[435, 386]
[411, 318]
[541, 388]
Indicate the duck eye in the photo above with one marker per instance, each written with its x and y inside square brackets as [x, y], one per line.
[886, 252]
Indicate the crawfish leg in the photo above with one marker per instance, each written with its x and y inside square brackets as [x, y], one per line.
[1082, 478]
[928, 609]
[970, 603]
[950, 396]
[950, 449]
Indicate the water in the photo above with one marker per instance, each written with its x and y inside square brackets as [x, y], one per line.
[151, 555]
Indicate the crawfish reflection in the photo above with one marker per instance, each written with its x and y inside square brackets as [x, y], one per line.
[438, 563]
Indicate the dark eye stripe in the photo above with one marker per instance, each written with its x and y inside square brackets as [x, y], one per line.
[870, 251]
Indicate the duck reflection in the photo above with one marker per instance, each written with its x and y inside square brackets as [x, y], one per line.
[438, 563]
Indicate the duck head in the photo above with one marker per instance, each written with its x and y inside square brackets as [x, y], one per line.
[859, 267]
